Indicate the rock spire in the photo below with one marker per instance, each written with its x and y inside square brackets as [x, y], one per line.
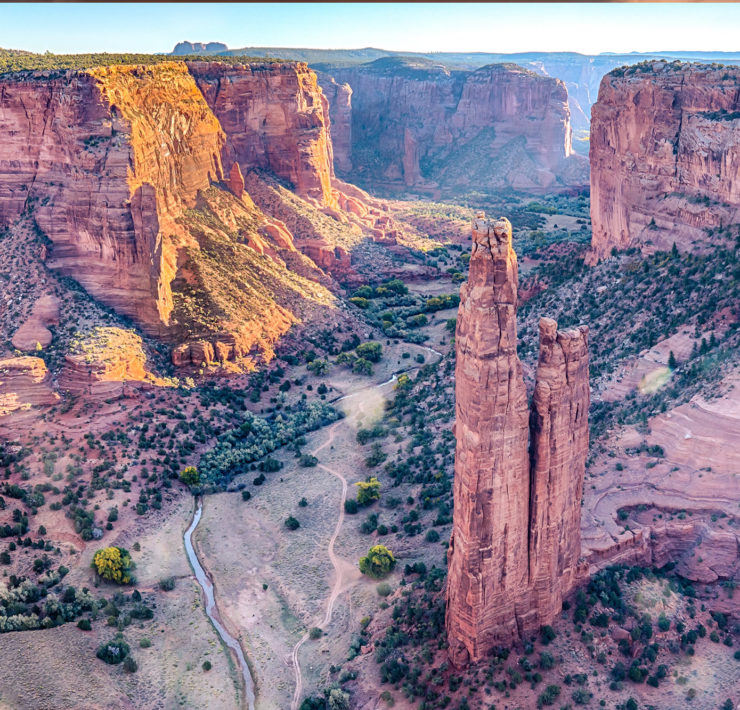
[515, 543]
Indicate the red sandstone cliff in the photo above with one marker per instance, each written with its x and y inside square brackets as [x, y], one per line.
[106, 160]
[339, 97]
[415, 123]
[515, 546]
[274, 119]
[665, 155]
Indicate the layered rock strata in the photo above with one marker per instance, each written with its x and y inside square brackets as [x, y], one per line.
[559, 447]
[416, 124]
[665, 156]
[25, 383]
[515, 547]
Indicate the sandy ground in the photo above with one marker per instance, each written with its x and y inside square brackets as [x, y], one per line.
[37, 664]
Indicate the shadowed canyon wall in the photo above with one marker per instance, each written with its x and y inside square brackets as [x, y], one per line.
[665, 156]
[414, 123]
[515, 547]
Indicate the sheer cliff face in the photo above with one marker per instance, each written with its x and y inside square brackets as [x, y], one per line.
[515, 543]
[274, 119]
[339, 97]
[425, 127]
[121, 167]
[559, 447]
[106, 160]
[665, 156]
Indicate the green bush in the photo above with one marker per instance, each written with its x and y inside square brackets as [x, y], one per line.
[315, 633]
[368, 491]
[384, 589]
[190, 476]
[84, 624]
[167, 584]
[371, 351]
[114, 651]
[207, 666]
[291, 523]
[378, 562]
[350, 506]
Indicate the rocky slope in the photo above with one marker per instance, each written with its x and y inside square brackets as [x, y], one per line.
[417, 124]
[136, 176]
[665, 156]
[25, 383]
[515, 547]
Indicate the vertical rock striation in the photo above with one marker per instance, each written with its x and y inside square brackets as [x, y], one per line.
[559, 428]
[488, 551]
[515, 543]
[665, 156]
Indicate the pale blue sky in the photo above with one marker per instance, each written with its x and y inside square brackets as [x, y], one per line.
[587, 28]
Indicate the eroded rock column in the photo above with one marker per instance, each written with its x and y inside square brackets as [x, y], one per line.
[559, 426]
[515, 546]
[488, 551]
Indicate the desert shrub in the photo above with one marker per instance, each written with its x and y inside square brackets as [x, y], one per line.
[167, 584]
[378, 562]
[246, 495]
[113, 564]
[547, 634]
[432, 535]
[130, 665]
[371, 351]
[84, 624]
[308, 461]
[548, 696]
[384, 589]
[338, 699]
[207, 666]
[145, 643]
[291, 523]
[315, 633]
[190, 476]
[350, 506]
[368, 491]
[362, 366]
[114, 651]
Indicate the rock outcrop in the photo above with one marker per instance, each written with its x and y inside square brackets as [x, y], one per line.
[25, 383]
[515, 547]
[33, 332]
[103, 363]
[665, 156]
[273, 116]
[416, 124]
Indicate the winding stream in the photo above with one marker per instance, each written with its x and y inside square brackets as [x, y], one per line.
[212, 611]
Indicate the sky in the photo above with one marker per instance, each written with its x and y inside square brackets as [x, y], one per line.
[419, 27]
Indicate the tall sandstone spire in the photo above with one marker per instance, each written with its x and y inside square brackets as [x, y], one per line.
[515, 542]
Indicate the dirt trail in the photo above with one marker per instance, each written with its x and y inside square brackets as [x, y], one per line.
[341, 567]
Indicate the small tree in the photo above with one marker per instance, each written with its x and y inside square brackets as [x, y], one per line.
[371, 351]
[291, 523]
[378, 563]
[114, 564]
[672, 361]
[190, 476]
[368, 491]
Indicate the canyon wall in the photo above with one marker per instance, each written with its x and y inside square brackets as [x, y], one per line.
[136, 174]
[105, 160]
[515, 546]
[665, 156]
[274, 119]
[417, 124]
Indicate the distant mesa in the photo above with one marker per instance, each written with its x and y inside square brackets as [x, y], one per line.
[190, 48]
